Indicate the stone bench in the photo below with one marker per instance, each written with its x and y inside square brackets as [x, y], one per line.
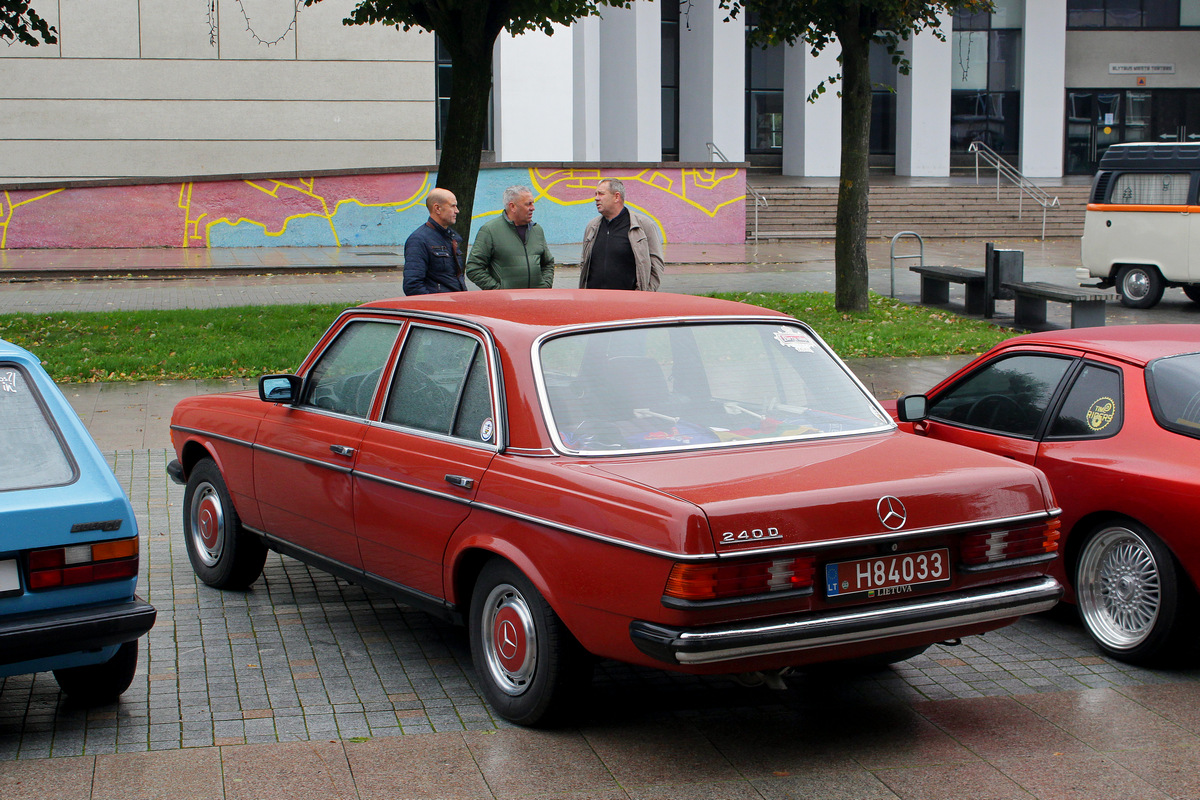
[935, 286]
[1087, 305]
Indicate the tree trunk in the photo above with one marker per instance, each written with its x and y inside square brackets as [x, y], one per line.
[466, 124]
[850, 248]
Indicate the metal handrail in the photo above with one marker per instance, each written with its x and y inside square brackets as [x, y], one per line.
[760, 199]
[920, 254]
[1013, 175]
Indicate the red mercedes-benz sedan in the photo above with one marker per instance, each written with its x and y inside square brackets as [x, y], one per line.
[1112, 416]
[665, 480]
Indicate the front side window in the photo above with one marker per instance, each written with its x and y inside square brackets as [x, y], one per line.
[32, 456]
[1008, 396]
[441, 386]
[697, 385]
[344, 379]
[1093, 408]
[1173, 385]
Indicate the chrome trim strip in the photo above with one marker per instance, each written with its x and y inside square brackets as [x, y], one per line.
[599, 537]
[211, 435]
[901, 535]
[316, 462]
[859, 624]
[412, 487]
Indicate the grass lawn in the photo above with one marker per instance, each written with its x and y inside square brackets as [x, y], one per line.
[249, 341]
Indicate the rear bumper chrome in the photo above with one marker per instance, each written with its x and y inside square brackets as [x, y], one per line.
[774, 635]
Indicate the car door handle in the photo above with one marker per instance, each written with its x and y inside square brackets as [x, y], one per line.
[460, 481]
[341, 450]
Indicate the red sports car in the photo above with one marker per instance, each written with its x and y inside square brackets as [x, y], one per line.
[1112, 416]
[665, 480]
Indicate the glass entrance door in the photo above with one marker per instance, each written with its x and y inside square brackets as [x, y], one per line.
[1098, 118]
[1094, 121]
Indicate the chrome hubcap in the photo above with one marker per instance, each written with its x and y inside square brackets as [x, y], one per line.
[207, 524]
[1136, 285]
[509, 640]
[1120, 591]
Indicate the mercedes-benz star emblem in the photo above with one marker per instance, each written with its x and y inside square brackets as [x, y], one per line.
[508, 639]
[892, 513]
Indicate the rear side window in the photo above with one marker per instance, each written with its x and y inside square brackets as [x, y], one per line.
[1151, 189]
[1093, 408]
[32, 454]
[442, 386]
[1174, 388]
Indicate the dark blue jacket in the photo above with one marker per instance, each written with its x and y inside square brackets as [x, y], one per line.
[433, 260]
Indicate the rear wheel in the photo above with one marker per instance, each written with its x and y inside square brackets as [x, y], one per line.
[97, 684]
[1132, 595]
[529, 664]
[1140, 286]
[222, 553]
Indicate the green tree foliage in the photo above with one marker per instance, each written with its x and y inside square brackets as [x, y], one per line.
[468, 30]
[19, 22]
[853, 25]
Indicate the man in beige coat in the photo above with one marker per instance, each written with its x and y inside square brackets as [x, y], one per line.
[621, 249]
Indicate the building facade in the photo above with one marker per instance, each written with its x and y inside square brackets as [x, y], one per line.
[145, 89]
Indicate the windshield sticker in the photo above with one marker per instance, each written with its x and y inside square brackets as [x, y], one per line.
[8, 382]
[1101, 413]
[797, 340]
[485, 430]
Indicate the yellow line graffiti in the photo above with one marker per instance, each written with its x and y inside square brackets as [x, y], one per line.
[9, 207]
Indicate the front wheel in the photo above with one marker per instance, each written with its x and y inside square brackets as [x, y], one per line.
[97, 684]
[222, 553]
[528, 663]
[1131, 594]
[1140, 286]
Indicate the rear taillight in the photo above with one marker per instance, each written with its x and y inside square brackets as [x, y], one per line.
[1004, 545]
[76, 564]
[724, 580]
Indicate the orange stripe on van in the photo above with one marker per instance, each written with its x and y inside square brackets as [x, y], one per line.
[1119, 207]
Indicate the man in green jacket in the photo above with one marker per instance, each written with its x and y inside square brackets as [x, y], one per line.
[510, 251]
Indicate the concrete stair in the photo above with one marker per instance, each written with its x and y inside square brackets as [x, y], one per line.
[965, 210]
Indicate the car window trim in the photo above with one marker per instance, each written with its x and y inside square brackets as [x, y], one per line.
[1061, 400]
[670, 322]
[484, 343]
[55, 428]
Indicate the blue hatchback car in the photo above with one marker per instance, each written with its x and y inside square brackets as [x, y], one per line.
[68, 544]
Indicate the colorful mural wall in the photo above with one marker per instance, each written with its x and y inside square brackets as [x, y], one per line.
[689, 204]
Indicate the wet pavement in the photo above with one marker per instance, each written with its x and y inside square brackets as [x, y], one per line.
[308, 686]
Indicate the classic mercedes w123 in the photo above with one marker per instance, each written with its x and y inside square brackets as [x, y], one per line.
[672, 481]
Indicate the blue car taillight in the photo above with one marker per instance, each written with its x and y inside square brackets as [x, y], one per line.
[76, 564]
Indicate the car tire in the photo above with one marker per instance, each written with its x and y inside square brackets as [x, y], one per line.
[1133, 597]
[223, 554]
[1192, 290]
[98, 684]
[1140, 286]
[530, 667]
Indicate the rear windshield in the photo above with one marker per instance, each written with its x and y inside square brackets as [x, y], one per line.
[1174, 387]
[697, 385]
[31, 453]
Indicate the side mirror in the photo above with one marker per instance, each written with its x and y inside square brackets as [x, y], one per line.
[912, 408]
[280, 388]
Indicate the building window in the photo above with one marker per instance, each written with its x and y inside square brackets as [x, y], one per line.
[1122, 14]
[764, 95]
[985, 99]
[884, 77]
[670, 77]
[443, 82]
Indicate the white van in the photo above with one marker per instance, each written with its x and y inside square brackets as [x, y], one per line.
[1141, 232]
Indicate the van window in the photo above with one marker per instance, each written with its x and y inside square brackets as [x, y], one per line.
[1157, 188]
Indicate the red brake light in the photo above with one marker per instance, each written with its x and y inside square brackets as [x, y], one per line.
[1002, 545]
[718, 581]
[83, 563]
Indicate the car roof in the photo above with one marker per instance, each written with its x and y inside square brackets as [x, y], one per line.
[1137, 344]
[553, 308]
[13, 352]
